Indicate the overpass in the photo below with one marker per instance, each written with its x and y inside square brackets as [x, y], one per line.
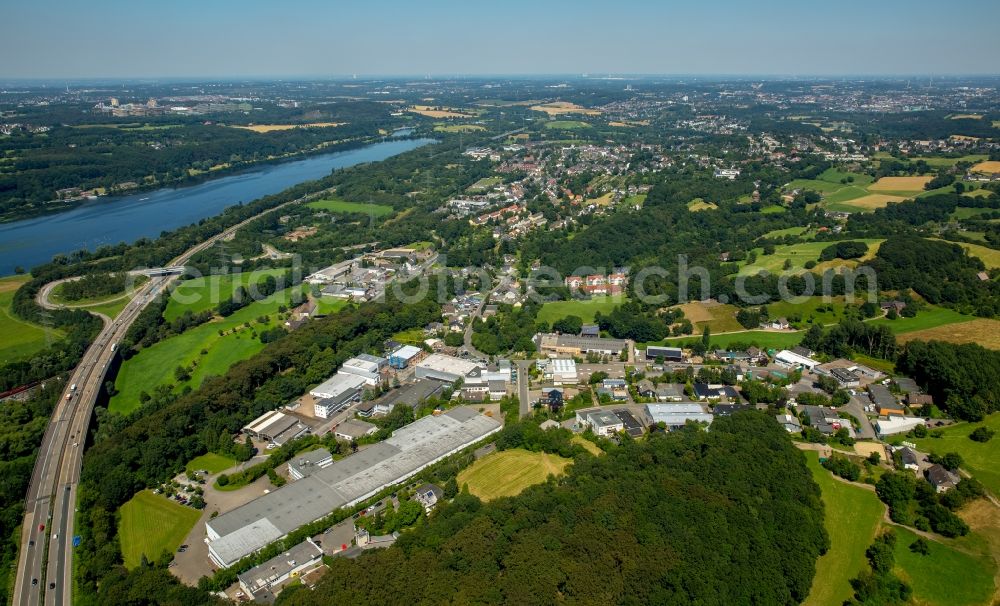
[45, 558]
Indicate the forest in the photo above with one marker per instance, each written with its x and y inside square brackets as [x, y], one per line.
[629, 527]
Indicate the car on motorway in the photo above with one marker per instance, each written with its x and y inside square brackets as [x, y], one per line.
[52, 585]
[72, 387]
[41, 527]
[34, 581]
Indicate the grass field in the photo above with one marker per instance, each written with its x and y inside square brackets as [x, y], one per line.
[155, 365]
[592, 448]
[210, 462]
[799, 254]
[989, 166]
[788, 231]
[989, 256]
[269, 128]
[558, 108]
[864, 203]
[718, 317]
[636, 200]
[152, 524]
[327, 305]
[566, 124]
[699, 204]
[458, 128]
[929, 317]
[852, 517]
[485, 183]
[507, 473]
[585, 310]
[20, 339]
[199, 294]
[939, 162]
[900, 184]
[965, 212]
[945, 576]
[809, 310]
[343, 206]
[980, 459]
[982, 331]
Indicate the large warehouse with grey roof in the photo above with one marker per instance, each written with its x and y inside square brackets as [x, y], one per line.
[349, 481]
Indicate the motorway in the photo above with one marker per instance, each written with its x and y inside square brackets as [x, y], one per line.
[45, 564]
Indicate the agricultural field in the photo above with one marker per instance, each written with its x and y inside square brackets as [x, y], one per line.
[946, 576]
[343, 206]
[799, 254]
[585, 310]
[558, 108]
[929, 317]
[566, 124]
[440, 112]
[852, 517]
[458, 128]
[20, 339]
[939, 162]
[718, 316]
[900, 184]
[980, 458]
[201, 349]
[983, 331]
[270, 128]
[864, 203]
[605, 200]
[152, 524]
[210, 462]
[699, 204]
[507, 473]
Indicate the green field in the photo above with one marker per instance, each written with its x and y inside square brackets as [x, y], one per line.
[592, 448]
[343, 206]
[965, 212]
[788, 231]
[945, 576]
[566, 124]
[210, 462]
[152, 524]
[155, 365]
[980, 459]
[989, 256]
[198, 294]
[852, 516]
[761, 338]
[636, 200]
[20, 339]
[929, 317]
[774, 209]
[328, 305]
[485, 183]
[699, 204]
[585, 310]
[507, 473]
[809, 310]
[799, 254]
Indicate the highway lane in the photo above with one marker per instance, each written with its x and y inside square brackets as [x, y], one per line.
[51, 497]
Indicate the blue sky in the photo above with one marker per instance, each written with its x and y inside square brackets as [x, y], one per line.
[181, 38]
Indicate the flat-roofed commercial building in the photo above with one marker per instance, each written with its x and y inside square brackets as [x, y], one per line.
[559, 370]
[402, 357]
[677, 415]
[261, 579]
[327, 407]
[337, 385]
[574, 346]
[444, 368]
[308, 462]
[365, 366]
[344, 483]
[275, 426]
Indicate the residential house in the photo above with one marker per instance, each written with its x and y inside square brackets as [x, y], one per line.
[940, 478]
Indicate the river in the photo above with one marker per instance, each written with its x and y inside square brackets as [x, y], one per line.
[111, 220]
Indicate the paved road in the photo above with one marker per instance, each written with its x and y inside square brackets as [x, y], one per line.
[857, 410]
[523, 368]
[45, 566]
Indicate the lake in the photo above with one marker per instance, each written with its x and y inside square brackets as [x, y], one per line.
[111, 220]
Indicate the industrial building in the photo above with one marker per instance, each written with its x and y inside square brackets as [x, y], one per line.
[352, 429]
[346, 482]
[790, 359]
[337, 385]
[402, 357]
[558, 370]
[365, 366]
[552, 344]
[668, 354]
[327, 407]
[896, 424]
[677, 415]
[601, 422]
[444, 368]
[276, 427]
[411, 394]
[308, 462]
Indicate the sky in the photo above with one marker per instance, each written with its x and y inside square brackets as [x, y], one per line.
[320, 38]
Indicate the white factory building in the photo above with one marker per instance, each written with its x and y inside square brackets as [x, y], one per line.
[337, 385]
[366, 366]
[344, 483]
[791, 359]
[559, 370]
